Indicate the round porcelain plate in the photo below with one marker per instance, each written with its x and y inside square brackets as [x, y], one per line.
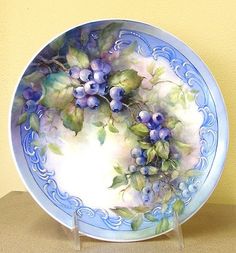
[121, 123]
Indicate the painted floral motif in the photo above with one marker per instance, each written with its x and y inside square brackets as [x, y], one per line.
[81, 73]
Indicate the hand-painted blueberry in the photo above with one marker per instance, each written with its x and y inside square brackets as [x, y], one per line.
[30, 106]
[103, 89]
[74, 72]
[30, 94]
[192, 188]
[148, 198]
[164, 134]
[81, 102]
[106, 68]
[93, 102]
[156, 186]
[144, 154]
[144, 170]
[99, 77]
[154, 135]
[147, 190]
[91, 87]
[97, 64]
[116, 106]
[158, 118]
[85, 75]
[117, 93]
[136, 152]
[186, 193]
[140, 160]
[132, 168]
[151, 125]
[144, 116]
[182, 186]
[79, 92]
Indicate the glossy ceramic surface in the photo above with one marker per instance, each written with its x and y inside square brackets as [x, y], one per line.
[121, 123]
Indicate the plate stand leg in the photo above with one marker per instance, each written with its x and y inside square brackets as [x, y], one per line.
[176, 234]
[76, 233]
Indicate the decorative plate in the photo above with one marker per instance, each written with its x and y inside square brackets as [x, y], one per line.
[121, 123]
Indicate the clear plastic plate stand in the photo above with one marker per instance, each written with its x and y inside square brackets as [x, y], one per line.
[175, 235]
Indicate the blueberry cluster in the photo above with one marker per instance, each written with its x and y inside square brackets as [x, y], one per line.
[31, 96]
[187, 189]
[94, 84]
[157, 132]
[155, 122]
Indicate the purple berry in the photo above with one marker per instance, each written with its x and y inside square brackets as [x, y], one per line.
[132, 168]
[154, 135]
[81, 102]
[164, 134]
[148, 198]
[30, 94]
[30, 106]
[96, 64]
[136, 152]
[116, 106]
[79, 92]
[147, 189]
[144, 170]
[91, 87]
[74, 72]
[192, 188]
[117, 93]
[103, 89]
[151, 125]
[158, 118]
[156, 186]
[144, 116]
[106, 68]
[99, 77]
[93, 102]
[140, 160]
[85, 75]
[186, 193]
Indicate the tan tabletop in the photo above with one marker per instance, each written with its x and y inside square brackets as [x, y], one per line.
[25, 227]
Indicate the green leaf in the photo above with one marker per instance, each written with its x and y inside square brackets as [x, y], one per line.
[162, 226]
[130, 49]
[178, 206]
[22, 118]
[119, 169]
[43, 150]
[57, 43]
[150, 68]
[101, 134]
[167, 196]
[150, 217]
[137, 181]
[84, 36]
[127, 79]
[144, 145]
[107, 36]
[77, 57]
[73, 118]
[174, 175]
[152, 170]
[158, 72]
[34, 122]
[171, 122]
[140, 209]
[162, 149]
[165, 165]
[123, 212]
[183, 147]
[140, 130]
[33, 77]
[55, 148]
[119, 181]
[192, 173]
[137, 222]
[112, 128]
[57, 91]
[151, 153]
[98, 124]
[35, 143]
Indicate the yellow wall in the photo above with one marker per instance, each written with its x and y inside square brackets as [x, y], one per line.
[209, 27]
